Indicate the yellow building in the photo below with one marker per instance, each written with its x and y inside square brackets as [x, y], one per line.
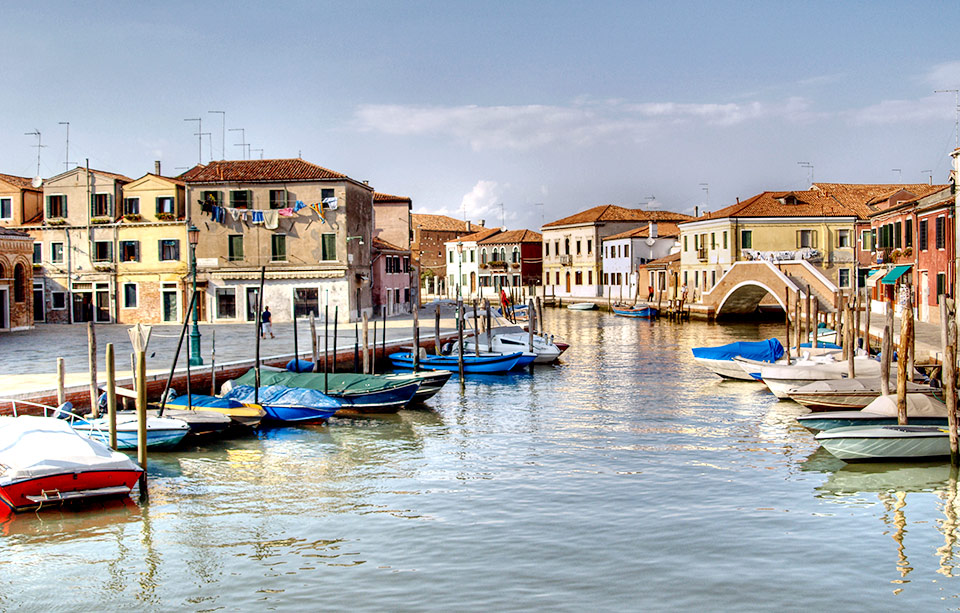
[152, 253]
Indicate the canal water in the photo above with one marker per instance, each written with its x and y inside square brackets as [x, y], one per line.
[622, 479]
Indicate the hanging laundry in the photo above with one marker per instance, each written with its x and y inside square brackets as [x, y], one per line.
[271, 219]
[256, 217]
[299, 205]
[236, 214]
[287, 212]
[206, 207]
[330, 203]
[218, 214]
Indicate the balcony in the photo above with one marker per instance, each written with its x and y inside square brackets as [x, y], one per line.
[566, 260]
[702, 254]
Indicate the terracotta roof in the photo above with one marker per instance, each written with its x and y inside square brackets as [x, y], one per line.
[378, 197]
[11, 233]
[246, 171]
[611, 212]
[667, 259]
[513, 236]
[21, 182]
[477, 236]
[189, 174]
[870, 193]
[379, 243]
[665, 229]
[441, 223]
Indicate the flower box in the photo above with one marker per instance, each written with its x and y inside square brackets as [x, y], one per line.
[99, 221]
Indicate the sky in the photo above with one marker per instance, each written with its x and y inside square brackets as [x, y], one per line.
[545, 108]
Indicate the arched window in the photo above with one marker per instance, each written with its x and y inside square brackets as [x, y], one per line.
[19, 283]
[483, 255]
[503, 254]
[516, 255]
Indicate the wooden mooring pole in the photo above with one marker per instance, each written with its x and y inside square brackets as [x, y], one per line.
[112, 395]
[326, 348]
[373, 350]
[866, 325]
[810, 331]
[476, 328]
[436, 330]
[365, 343]
[92, 347]
[313, 337]
[786, 320]
[460, 339]
[336, 318]
[903, 353]
[850, 341]
[886, 345]
[949, 376]
[816, 323]
[799, 321]
[416, 334]
[141, 378]
[61, 382]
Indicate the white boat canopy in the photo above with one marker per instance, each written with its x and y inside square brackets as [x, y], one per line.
[918, 405]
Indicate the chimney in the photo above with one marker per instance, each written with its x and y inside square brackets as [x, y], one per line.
[483, 222]
[696, 211]
[468, 226]
[156, 167]
[653, 229]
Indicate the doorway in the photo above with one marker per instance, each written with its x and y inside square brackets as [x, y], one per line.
[924, 296]
[4, 308]
[252, 303]
[568, 282]
[169, 303]
[39, 312]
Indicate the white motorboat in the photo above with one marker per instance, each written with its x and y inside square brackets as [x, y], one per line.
[582, 306]
[782, 379]
[886, 442]
[922, 410]
[506, 338]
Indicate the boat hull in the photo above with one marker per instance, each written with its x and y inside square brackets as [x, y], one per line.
[29, 494]
[127, 439]
[297, 415]
[642, 313]
[818, 422]
[582, 306]
[838, 401]
[471, 364]
[728, 369]
[431, 382]
[384, 401]
[886, 442]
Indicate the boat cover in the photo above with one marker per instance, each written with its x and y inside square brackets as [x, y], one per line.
[200, 400]
[918, 405]
[857, 384]
[337, 383]
[769, 350]
[282, 396]
[33, 447]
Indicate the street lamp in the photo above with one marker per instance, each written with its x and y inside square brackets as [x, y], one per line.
[193, 237]
[459, 266]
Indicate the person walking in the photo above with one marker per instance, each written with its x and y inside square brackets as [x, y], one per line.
[265, 326]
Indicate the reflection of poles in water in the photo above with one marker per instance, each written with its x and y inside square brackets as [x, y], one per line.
[149, 580]
[895, 503]
[948, 525]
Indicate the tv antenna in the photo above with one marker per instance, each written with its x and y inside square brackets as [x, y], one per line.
[706, 187]
[39, 146]
[260, 150]
[956, 104]
[809, 167]
[66, 159]
[928, 173]
[223, 135]
[540, 204]
[199, 135]
[503, 223]
[243, 141]
[899, 174]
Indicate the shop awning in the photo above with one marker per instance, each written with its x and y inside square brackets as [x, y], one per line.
[895, 273]
[875, 277]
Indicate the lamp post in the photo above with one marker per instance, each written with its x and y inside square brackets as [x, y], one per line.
[193, 237]
[459, 266]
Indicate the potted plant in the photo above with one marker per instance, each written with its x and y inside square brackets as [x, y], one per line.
[166, 217]
[56, 221]
[908, 252]
[132, 217]
[101, 220]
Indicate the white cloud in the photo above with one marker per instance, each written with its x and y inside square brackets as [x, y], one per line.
[944, 76]
[934, 107]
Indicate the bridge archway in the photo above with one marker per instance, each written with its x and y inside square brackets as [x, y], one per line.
[745, 298]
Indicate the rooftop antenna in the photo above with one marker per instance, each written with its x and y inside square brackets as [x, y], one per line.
[650, 200]
[540, 204]
[899, 174]
[223, 135]
[66, 160]
[503, 223]
[956, 103]
[260, 150]
[199, 136]
[706, 187]
[243, 141]
[809, 167]
[39, 146]
[928, 172]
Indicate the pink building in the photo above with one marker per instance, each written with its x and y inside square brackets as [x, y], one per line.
[391, 278]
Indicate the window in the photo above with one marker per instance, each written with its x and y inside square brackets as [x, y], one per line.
[131, 206]
[515, 256]
[240, 198]
[472, 255]
[278, 248]
[843, 238]
[578, 247]
[713, 241]
[941, 233]
[546, 250]
[102, 251]
[56, 253]
[129, 296]
[685, 278]
[58, 301]
[908, 233]
[558, 278]
[941, 283]
[165, 205]
[897, 239]
[57, 206]
[806, 239]
[326, 192]
[129, 251]
[278, 198]
[578, 278]
[746, 239]
[685, 243]
[713, 278]
[923, 241]
[169, 249]
[235, 247]
[37, 253]
[606, 279]
[589, 246]
[226, 303]
[212, 198]
[306, 300]
[450, 253]
[866, 240]
[556, 248]
[483, 254]
[589, 277]
[100, 205]
[328, 250]
[6, 208]
[724, 239]
[844, 277]
[566, 246]
[19, 283]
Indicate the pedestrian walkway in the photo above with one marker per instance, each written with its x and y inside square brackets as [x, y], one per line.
[926, 337]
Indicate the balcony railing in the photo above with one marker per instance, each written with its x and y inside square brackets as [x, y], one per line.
[566, 260]
[702, 254]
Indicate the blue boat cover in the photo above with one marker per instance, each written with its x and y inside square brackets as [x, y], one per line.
[200, 400]
[822, 345]
[300, 366]
[282, 396]
[769, 350]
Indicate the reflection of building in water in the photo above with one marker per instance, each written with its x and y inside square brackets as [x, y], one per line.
[892, 484]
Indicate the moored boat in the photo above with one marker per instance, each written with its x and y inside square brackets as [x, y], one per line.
[886, 442]
[781, 379]
[431, 381]
[240, 414]
[922, 410]
[720, 359]
[644, 312]
[44, 461]
[582, 306]
[287, 405]
[162, 432]
[471, 363]
[849, 394]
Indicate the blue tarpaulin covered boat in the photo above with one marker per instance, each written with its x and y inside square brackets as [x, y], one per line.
[720, 359]
[287, 404]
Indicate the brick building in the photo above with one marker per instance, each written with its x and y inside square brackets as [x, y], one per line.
[430, 232]
[16, 280]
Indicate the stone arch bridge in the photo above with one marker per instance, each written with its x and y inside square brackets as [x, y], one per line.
[747, 285]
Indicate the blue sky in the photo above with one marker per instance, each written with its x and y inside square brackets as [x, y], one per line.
[463, 106]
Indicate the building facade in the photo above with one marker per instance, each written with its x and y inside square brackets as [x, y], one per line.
[16, 280]
[463, 264]
[430, 234]
[624, 255]
[391, 279]
[513, 258]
